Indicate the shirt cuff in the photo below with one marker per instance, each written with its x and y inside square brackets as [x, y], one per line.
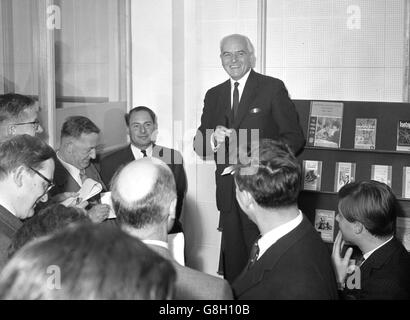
[213, 146]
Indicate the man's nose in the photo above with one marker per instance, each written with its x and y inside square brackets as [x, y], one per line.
[142, 129]
[93, 154]
[39, 129]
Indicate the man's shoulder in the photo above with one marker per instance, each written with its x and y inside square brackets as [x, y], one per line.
[216, 89]
[265, 78]
[114, 155]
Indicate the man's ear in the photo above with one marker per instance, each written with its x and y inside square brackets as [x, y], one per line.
[358, 227]
[173, 209]
[246, 198]
[18, 176]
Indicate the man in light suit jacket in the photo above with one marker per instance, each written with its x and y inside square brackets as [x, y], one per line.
[26, 171]
[144, 200]
[142, 127]
[259, 102]
[367, 218]
[290, 260]
[79, 139]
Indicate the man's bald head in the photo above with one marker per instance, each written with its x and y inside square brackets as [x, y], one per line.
[142, 192]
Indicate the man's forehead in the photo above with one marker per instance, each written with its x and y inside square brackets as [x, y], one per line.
[140, 116]
[234, 44]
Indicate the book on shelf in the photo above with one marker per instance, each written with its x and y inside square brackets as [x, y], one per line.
[312, 174]
[403, 135]
[406, 183]
[345, 173]
[365, 133]
[381, 173]
[325, 224]
[325, 124]
[403, 231]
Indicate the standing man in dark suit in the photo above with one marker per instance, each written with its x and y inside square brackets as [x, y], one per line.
[26, 174]
[142, 128]
[289, 260]
[367, 218]
[79, 139]
[248, 100]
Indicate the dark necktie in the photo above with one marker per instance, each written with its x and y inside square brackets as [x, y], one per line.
[144, 153]
[83, 176]
[254, 254]
[235, 100]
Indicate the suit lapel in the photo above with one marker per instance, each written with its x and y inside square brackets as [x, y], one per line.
[250, 278]
[63, 179]
[248, 95]
[224, 105]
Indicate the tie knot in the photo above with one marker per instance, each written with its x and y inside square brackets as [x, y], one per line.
[236, 85]
[144, 153]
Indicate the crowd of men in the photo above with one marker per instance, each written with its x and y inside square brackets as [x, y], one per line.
[269, 250]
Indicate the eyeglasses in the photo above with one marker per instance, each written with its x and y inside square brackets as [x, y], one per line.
[50, 183]
[35, 123]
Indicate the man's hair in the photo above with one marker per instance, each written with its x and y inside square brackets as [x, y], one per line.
[150, 209]
[75, 126]
[140, 108]
[249, 44]
[370, 202]
[50, 219]
[273, 175]
[87, 261]
[23, 150]
[12, 105]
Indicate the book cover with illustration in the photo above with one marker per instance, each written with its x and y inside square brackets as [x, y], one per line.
[365, 134]
[403, 135]
[325, 224]
[325, 124]
[312, 174]
[345, 173]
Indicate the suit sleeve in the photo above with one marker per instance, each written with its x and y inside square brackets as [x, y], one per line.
[180, 181]
[285, 115]
[202, 139]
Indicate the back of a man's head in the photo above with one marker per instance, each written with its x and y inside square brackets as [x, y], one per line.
[143, 193]
[371, 203]
[49, 220]
[75, 126]
[23, 150]
[12, 105]
[272, 176]
[87, 261]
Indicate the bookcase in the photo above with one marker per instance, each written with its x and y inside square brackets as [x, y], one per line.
[387, 115]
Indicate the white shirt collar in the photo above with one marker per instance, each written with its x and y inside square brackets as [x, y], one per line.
[242, 82]
[138, 154]
[368, 254]
[73, 171]
[271, 237]
[158, 243]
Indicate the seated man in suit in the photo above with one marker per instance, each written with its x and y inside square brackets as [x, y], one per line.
[367, 218]
[26, 174]
[142, 128]
[144, 199]
[289, 260]
[79, 137]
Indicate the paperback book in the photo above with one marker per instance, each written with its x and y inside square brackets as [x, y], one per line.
[406, 183]
[381, 173]
[325, 124]
[325, 224]
[312, 174]
[345, 173]
[365, 134]
[403, 231]
[403, 135]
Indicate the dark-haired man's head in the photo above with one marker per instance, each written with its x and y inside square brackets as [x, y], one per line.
[144, 198]
[142, 126]
[271, 180]
[366, 209]
[18, 115]
[79, 140]
[87, 261]
[50, 219]
[26, 173]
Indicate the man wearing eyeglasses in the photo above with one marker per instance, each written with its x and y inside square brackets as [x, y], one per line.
[18, 115]
[26, 174]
